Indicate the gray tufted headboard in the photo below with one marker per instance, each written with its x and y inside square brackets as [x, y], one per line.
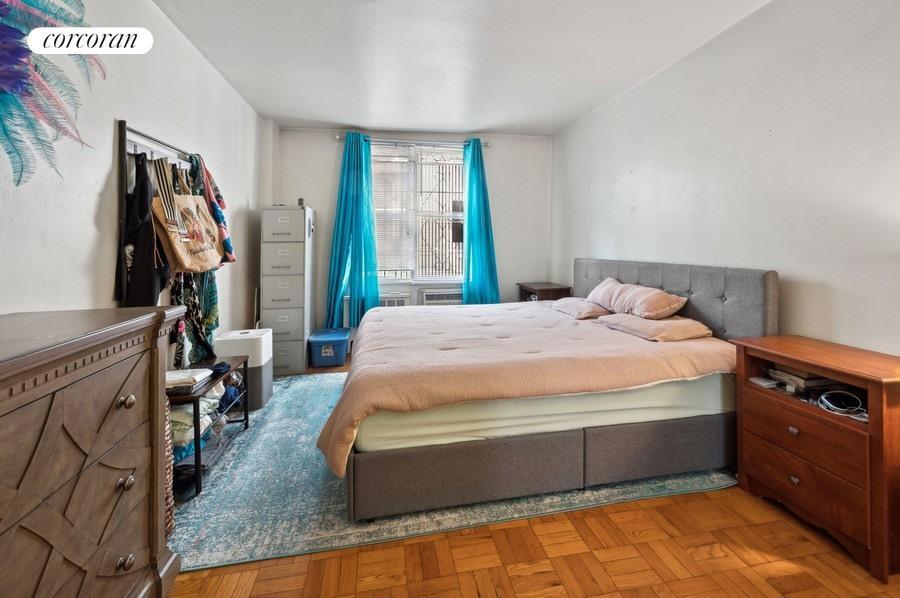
[733, 302]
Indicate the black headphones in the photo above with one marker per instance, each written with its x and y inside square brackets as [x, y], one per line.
[840, 402]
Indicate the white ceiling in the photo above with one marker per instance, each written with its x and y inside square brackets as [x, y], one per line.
[517, 66]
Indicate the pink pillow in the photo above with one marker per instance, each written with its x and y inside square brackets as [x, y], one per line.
[578, 308]
[644, 302]
[668, 329]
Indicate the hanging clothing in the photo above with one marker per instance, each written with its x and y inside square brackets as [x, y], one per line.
[166, 191]
[141, 272]
[354, 264]
[208, 290]
[197, 292]
[204, 184]
[479, 261]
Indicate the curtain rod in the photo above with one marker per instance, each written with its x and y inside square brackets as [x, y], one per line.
[377, 140]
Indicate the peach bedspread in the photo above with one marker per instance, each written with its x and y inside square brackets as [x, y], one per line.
[417, 358]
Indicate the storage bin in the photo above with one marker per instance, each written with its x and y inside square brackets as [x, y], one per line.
[257, 343]
[328, 347]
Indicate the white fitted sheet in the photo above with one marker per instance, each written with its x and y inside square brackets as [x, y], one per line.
[478, 420]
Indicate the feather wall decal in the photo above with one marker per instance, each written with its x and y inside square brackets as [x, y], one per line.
[13, 58]
[21, 158]
[38, 101]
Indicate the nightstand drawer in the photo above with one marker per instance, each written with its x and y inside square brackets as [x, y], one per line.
[835, 501]
[832, 446]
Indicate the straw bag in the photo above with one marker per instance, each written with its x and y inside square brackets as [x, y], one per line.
[184, 226]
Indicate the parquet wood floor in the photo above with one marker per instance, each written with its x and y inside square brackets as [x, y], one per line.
[723, 543]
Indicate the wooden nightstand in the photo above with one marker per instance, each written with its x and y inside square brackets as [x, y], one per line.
[542, 291]
[837, 473]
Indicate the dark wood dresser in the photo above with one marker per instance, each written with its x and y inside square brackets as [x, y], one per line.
[837, 473]
[82, 453]
[542, 291]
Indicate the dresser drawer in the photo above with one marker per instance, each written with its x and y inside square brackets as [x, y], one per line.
[123, 561]
[282, 258]
[86, 525]
[105, 493]
[106, 407]
[48, 441]
[286, 324]
[288, 357]
[837, 448]
[283, 225]
[837, 502]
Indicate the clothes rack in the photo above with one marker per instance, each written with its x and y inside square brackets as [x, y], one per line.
[132, 141]
[139, 142]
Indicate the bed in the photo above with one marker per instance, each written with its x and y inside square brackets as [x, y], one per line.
[549, 403]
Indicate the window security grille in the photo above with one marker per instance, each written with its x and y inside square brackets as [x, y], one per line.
[418, 200]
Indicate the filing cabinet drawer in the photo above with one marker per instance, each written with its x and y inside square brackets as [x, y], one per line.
[288, 357]
[286, 324]
[280, 259]
[282, 292]
[284, 225]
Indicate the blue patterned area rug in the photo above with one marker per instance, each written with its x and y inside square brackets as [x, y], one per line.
[271, 494]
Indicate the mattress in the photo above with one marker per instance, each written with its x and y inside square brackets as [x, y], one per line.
[478, 420]
[418, 358]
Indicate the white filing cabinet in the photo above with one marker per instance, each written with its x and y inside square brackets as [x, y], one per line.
[286, 279]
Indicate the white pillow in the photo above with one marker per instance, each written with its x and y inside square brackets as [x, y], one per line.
[668, 329]
[644, 302]
[578, 308]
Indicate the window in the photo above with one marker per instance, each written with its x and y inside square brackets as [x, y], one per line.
[418, 212]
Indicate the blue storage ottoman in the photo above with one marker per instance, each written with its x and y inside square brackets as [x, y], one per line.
[328, 347]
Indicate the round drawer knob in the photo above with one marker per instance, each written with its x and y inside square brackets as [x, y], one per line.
[793, 431]
[125, 563]
[794, 480]
[125, 483]
[126, 402]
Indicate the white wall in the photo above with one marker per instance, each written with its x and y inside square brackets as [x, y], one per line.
[518, 173]
[776, 145]
[58, 234]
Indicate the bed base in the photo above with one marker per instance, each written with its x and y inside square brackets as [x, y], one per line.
[383, 483]
[733, 302]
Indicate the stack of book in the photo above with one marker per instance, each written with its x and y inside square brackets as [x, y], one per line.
[186, 381]
[803, 383]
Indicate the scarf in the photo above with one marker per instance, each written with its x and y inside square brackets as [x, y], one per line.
[204, 184]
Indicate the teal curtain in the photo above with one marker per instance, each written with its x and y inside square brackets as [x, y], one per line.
[354, 269]
[479, 263]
